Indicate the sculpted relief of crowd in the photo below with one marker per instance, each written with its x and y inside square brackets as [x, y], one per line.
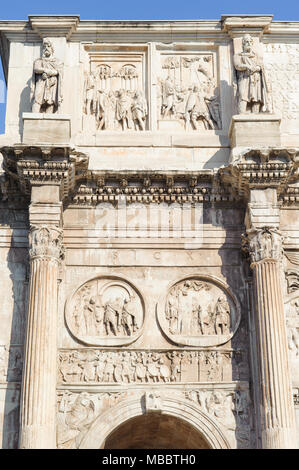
[197, 308]
[187, 91]
[114, 312]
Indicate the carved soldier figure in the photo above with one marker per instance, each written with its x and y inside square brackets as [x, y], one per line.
[90, 94]
[139, 110]
[168, 97]
[110, 319]
[46, 84]
[222, 316]
[128, 320]
[252, 86]
[197, 109]
[123, 109]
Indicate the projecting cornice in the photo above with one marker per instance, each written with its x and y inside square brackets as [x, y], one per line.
[262, 168]
[54, 26]
[43, 164]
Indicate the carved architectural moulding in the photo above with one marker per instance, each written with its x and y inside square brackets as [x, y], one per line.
[188, 92]
[114, 90]
[199, 311]
[262, 244]
[46, 241]
[105, 311]
[90, 366]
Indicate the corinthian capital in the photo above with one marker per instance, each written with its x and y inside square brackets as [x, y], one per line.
[263, 243]
[46, 241]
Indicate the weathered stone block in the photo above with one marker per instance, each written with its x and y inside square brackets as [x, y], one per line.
[247, 130]
[39, 128]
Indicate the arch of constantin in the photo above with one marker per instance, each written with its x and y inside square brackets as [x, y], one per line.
[149, 234]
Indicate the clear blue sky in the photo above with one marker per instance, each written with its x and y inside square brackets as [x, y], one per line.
[287, 10]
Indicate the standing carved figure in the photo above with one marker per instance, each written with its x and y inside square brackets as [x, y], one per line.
[197, 109]
[46, 83]
[90, 94]
[123, 109]
[252, 86]
[110, 319]
[222, 316]
[139, 110]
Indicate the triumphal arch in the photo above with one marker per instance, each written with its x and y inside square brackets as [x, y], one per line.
[149, 234]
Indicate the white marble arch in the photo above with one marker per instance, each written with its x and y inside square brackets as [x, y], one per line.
[180, 408]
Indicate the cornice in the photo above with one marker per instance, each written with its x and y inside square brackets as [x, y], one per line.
[29, 165]
[262, 168]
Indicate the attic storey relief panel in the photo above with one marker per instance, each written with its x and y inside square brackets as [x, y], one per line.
[188, 91]
[114, 96]
[199, 312]
[106, 312]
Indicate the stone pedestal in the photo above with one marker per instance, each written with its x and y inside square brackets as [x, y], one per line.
[255, 130]
[43, 128]
[276, 410]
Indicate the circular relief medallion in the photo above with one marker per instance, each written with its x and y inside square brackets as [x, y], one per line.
[105, 312]
[199, 311]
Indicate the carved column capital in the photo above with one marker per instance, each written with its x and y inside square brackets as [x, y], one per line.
[46, 241]
[262, 244]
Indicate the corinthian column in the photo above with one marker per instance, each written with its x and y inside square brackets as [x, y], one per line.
[276, 410]
[38, 405]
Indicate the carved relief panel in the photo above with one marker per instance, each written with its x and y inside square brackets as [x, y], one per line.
[94, 366]
[115, 90]
[105, 311]
[188, 91]
[292, 321]
[198, 311]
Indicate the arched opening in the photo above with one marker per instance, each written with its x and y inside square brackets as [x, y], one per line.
[155, 431]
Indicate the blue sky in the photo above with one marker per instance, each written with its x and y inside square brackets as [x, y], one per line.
[287, 10]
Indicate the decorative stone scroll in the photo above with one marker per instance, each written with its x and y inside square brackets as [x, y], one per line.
[105, 311]
[188, 96]
[92, 366]
[199, 311]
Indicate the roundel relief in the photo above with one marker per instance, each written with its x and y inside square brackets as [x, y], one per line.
[106, 312]
[199, 312]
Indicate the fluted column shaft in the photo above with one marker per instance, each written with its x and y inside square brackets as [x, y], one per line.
[276, 410]
[38, 404]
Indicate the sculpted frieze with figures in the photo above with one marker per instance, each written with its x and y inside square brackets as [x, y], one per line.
[94, 366]
[199, 311]
[188, 95]
[105, 311]
[114, 92]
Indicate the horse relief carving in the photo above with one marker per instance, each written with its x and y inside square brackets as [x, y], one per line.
[105, 312]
